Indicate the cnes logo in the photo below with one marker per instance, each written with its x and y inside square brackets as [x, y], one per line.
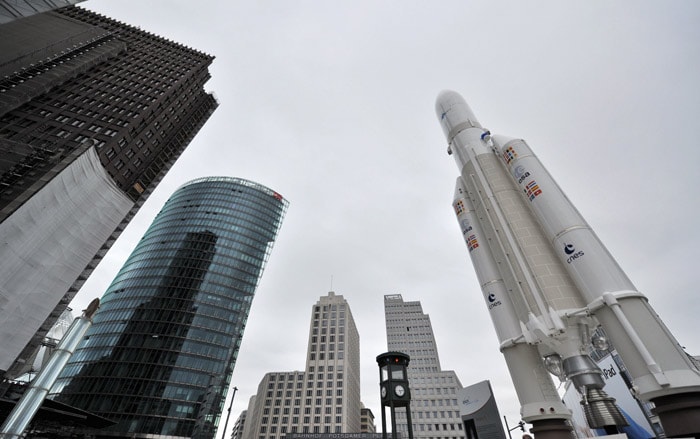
[493, 302]
[570, 250]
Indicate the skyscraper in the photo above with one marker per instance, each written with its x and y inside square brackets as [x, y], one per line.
[14, 9]
[93, 113]
[434, 404]
[325, 398]
[159, 356]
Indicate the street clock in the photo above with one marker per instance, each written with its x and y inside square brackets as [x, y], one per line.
[394, 389]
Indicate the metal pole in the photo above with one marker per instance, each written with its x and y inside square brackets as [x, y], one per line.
[383, 421]
[507, 427]
[223, 435]
[410, 422]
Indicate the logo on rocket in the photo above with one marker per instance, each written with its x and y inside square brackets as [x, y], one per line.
[532, 190]
[520, 173]
[459, 207]
[466, 227]
[509, 154]
[570, 250]
[493, 302]
[472, 242]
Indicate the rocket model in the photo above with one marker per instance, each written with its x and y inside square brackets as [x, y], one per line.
[549, 282]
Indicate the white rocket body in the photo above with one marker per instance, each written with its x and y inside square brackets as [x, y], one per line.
[537, 393]
[556, 278]
[652, 355]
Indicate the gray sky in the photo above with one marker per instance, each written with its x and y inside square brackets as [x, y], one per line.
[332, 105]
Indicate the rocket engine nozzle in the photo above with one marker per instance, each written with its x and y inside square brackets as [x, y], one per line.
[601, 410]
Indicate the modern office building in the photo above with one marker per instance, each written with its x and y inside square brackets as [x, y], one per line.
[367, 424]
[14, 9]
[237, 432]
[325, 397]
[93, 113]
[159, 356]
[434, 404]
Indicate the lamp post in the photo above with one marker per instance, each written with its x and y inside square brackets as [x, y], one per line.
[520, 425]
[393, 384]
[223, 435]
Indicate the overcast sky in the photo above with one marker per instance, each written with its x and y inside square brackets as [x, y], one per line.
[331, 104]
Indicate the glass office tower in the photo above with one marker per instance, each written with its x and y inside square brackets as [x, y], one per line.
[160, 354]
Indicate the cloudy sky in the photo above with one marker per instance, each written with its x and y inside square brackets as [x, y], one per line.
[332, 105]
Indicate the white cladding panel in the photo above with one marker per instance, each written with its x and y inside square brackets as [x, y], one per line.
[47, 243]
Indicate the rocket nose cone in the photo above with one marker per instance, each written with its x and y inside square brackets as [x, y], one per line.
[452, 111]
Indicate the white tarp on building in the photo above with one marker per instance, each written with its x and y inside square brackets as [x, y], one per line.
[47, 243]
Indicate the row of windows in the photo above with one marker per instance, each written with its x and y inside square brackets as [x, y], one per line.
[307, 401]
[310, 392]
[227, 211]
[256, 198]
[305, 429]
[420, 402]
[121, 300]
[416, 414]
[161, 277]
[229, 232]
[323, 356]
[297, 411]
[226, 203]
[432, 427]
[331, 347]
[173, 257]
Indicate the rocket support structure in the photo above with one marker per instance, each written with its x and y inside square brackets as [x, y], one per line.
[548, 281]
[29, 404]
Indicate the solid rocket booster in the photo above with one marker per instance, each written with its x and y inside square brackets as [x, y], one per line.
[650, 352]
[537, 393]
[558, 275]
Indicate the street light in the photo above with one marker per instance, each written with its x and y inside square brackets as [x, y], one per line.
[223, 436]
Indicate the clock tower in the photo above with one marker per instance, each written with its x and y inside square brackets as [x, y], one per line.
[393, 386]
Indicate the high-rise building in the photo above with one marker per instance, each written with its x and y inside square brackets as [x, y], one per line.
[434, 404]
[93, 113]
[14, 9]
[159, 356]
[325, 398]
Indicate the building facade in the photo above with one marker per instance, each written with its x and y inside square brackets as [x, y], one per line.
[93, 113]
[159, 356]
[434, 403]
[325, 397]
[367, 424]
[237, 432]
[13, 9]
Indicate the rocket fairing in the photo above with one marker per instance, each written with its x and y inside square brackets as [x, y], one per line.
[537, 251]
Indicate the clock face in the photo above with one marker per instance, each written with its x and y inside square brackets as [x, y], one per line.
[383, 392]
[399, 390]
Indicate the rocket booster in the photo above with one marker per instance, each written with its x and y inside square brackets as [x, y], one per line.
[652, 355]
[537, 251]
[537, 393]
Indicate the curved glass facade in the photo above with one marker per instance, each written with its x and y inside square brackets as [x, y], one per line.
[159, 357]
